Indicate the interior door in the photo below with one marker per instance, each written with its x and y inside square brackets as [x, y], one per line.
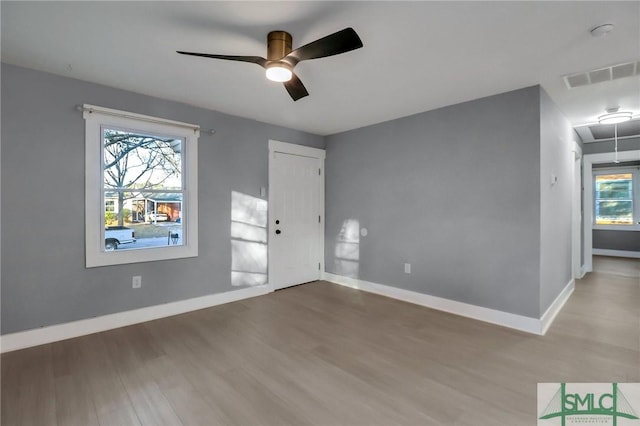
[296, 207]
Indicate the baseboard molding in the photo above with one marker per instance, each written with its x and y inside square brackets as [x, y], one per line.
[54, 333]
[617, 253]
[505, 319]
[556, 306]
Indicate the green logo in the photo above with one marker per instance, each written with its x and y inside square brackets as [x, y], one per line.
[565, 404]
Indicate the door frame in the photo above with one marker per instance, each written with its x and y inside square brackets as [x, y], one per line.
[587, 179]
[305, 151]
[576, 215]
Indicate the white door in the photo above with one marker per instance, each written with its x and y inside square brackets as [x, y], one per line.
[296, 208]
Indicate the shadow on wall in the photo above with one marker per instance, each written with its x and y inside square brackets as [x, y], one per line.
[347, 252]
[248, 240]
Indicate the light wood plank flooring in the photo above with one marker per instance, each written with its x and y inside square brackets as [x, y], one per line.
[617, 266]
[321, 354]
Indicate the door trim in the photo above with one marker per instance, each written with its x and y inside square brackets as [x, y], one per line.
[305, 151]
[292, 148]
[576, 214]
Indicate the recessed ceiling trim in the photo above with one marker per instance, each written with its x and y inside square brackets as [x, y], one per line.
[596, 132]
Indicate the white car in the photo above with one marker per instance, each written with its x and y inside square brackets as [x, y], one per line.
[157, 217]
[117, 235]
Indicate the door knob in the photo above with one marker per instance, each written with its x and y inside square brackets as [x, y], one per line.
[278, 231]
[277, 222]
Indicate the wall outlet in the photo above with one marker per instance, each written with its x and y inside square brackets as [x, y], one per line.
[407, 268]
[136, 282]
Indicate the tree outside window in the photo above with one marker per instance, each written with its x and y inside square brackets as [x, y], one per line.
[137, 163]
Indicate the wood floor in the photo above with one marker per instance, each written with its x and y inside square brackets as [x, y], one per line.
[617, 266]
[321, 354]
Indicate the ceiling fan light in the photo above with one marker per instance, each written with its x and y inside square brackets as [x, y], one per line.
[279, 72]
[615, 117]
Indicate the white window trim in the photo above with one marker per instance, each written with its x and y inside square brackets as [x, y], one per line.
[96, 117]
[635, 226]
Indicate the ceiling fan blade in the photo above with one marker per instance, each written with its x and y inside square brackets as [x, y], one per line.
[333, 44]
[251, 59]
[295, 88]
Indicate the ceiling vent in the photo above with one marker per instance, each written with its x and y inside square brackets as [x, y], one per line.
[602, 132]
[614, 72]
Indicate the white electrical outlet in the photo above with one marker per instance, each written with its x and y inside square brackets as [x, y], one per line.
[407, 268]
[136, 282]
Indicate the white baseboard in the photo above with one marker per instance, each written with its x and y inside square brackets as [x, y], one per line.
[555, 307]
[54, 333]
[617, 253]
[505, 319]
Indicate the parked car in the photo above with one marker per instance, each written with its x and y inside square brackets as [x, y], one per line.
[116, 235]
[157, 217]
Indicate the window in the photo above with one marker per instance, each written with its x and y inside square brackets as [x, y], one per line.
[143, 171]
[617, 198]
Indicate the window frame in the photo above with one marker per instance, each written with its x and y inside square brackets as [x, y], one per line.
[635, 197]
[98, 118]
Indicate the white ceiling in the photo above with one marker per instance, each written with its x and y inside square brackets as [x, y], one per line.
[417, 56]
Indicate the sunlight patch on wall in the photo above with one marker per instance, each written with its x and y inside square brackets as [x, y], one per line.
[248, 240]
[347, 251]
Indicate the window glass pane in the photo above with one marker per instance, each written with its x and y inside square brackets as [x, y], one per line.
[614, 199]
[614, 212]
[137, 161]
[148, 220]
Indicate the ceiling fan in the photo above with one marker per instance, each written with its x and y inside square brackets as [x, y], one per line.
[281, 60]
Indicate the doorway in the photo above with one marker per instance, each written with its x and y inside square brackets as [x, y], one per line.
[588, 210]
[296, 214]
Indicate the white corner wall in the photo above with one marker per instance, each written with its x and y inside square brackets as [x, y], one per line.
[556, 189]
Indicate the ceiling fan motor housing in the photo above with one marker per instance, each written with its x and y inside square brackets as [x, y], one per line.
[278, 45]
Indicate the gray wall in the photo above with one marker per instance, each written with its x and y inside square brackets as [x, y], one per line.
[607, 239]
[455, 192]
[44, 280]
[631, 144]
[616, 240]
[556, 159]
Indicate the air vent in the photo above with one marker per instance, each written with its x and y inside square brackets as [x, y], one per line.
[602, 132]
[614, 72]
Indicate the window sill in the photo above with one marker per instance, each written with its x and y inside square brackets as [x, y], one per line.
[616, 227]
[118, 257]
